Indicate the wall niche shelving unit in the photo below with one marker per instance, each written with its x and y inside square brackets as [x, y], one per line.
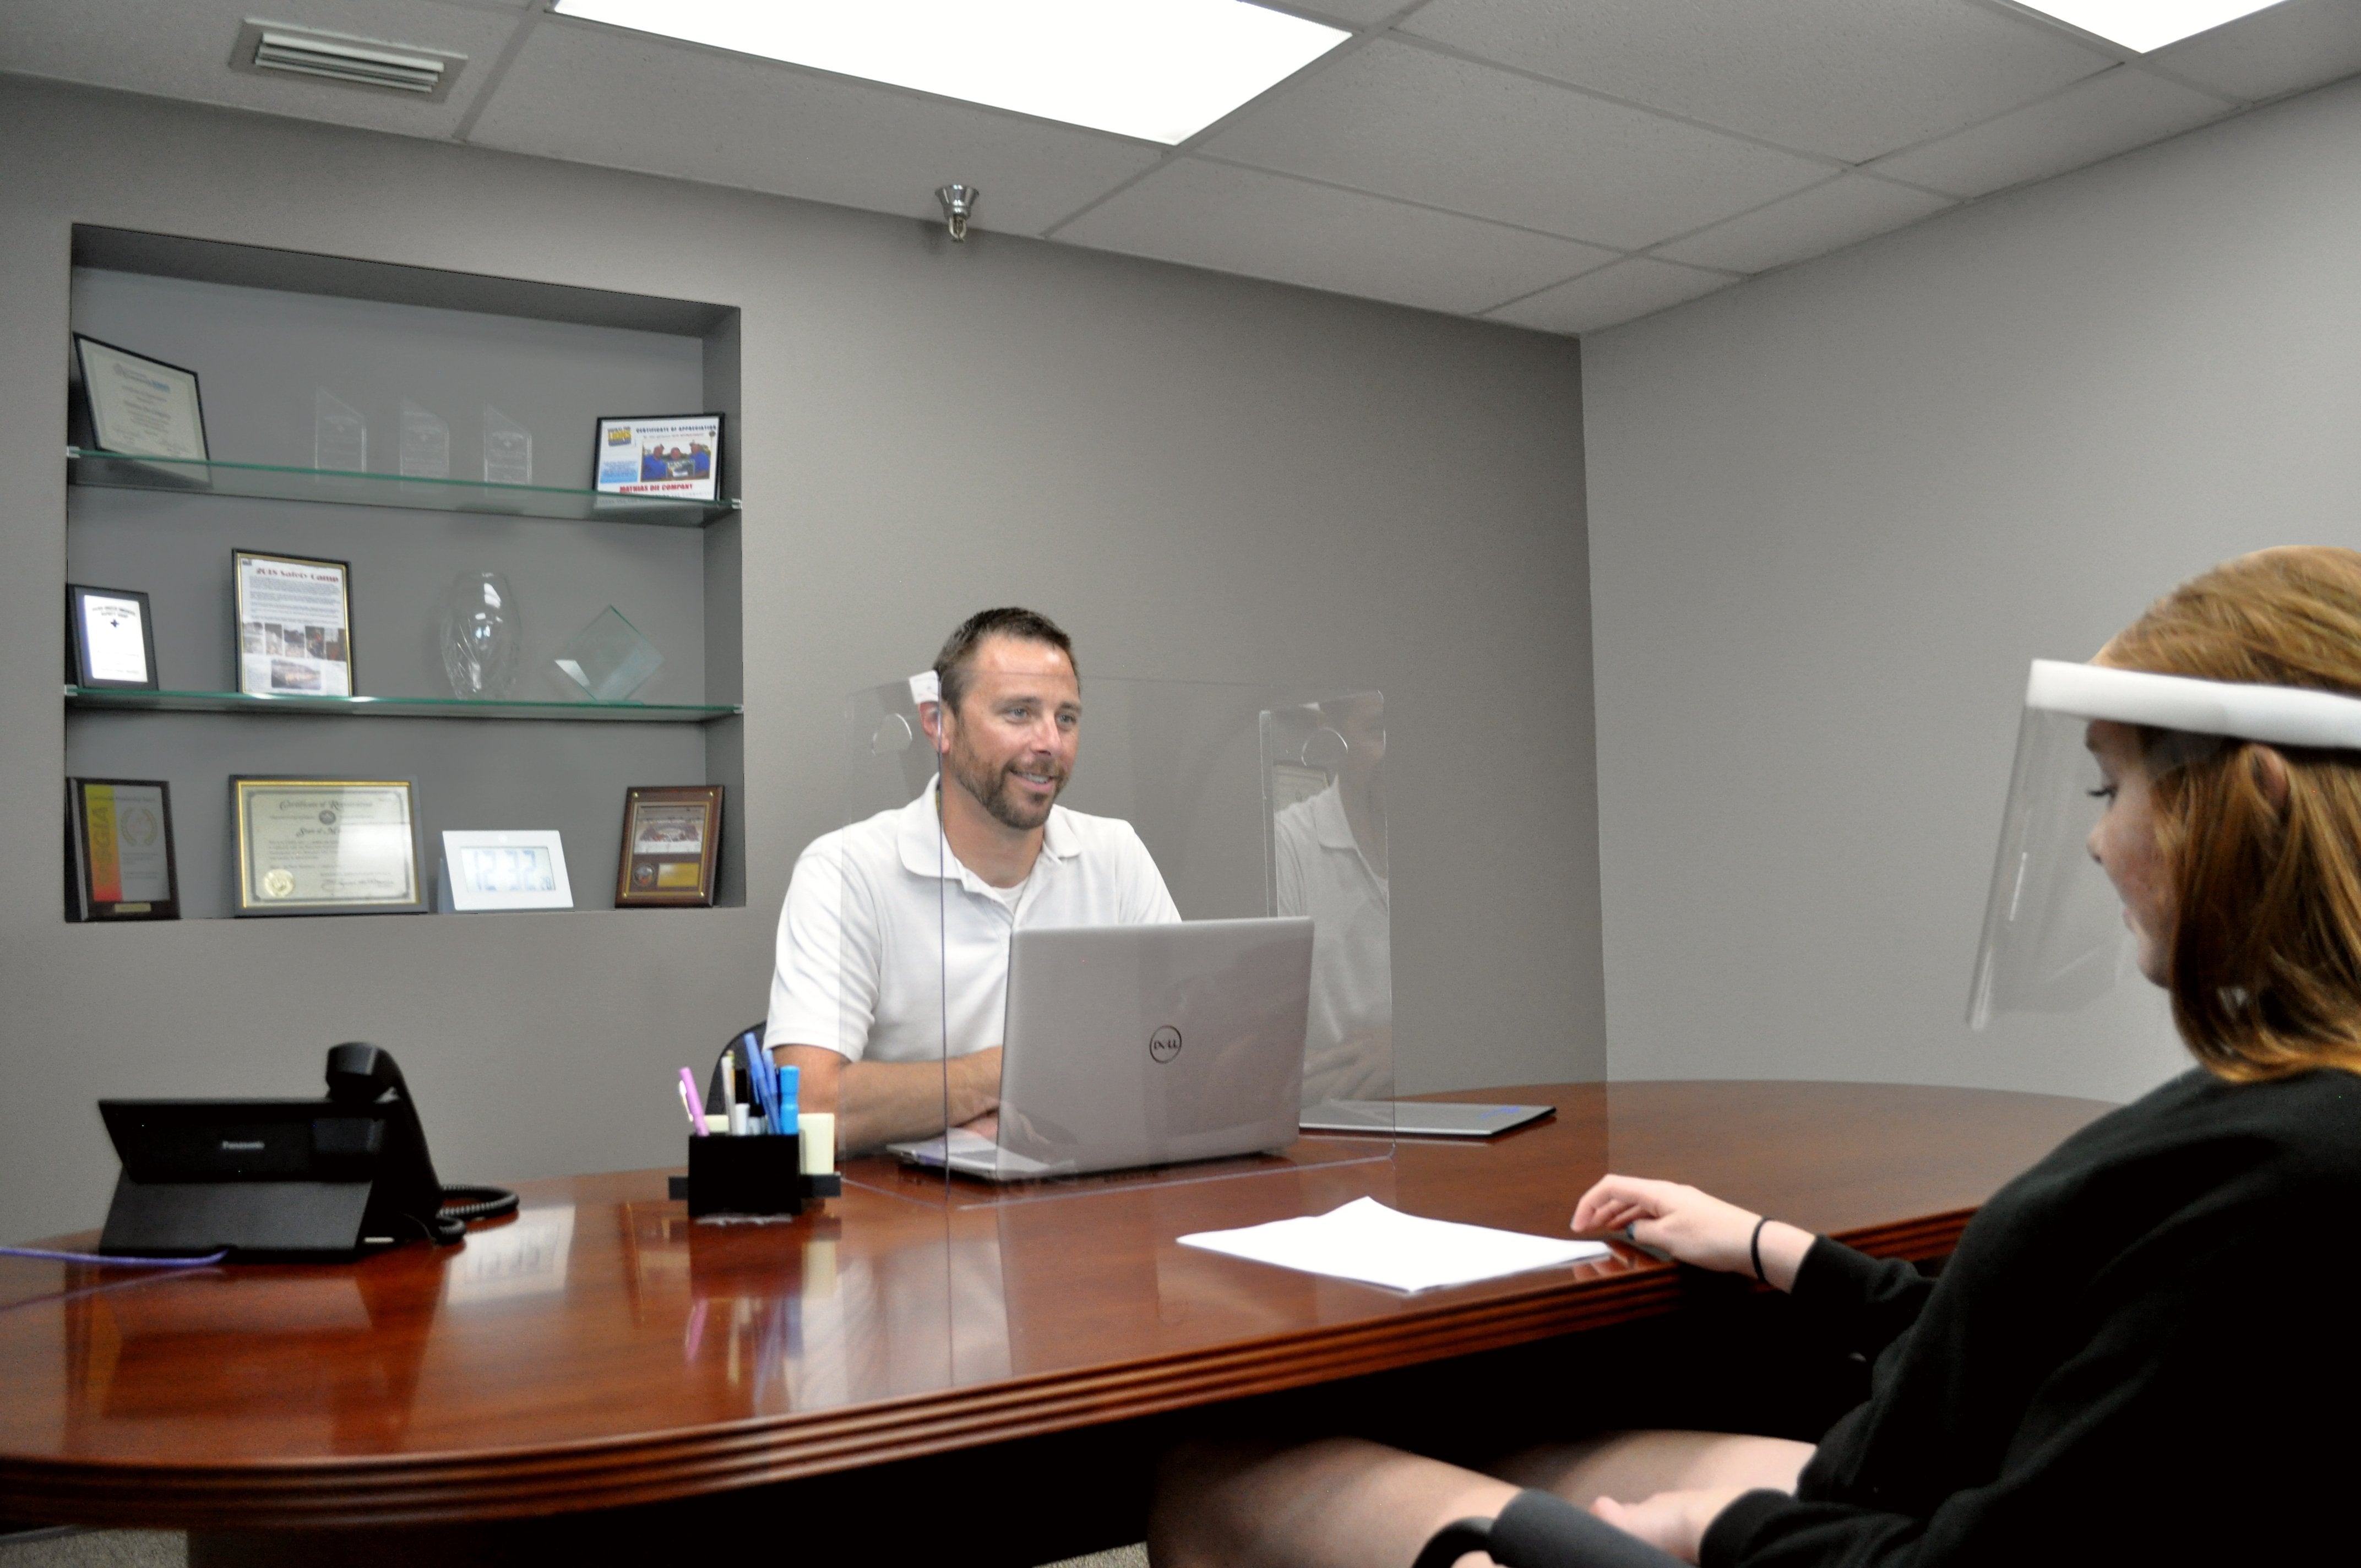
[264, 330]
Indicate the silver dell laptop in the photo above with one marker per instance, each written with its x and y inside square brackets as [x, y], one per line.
[1127, 1046]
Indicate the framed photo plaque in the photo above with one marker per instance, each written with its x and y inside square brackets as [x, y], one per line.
[677, 456]
[110, 639]
[672, 836]
[327, 846]
[119, 863]
[523, 870]
[140, 405]
[294, 625]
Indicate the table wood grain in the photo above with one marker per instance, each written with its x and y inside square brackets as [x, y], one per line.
[600, 1350]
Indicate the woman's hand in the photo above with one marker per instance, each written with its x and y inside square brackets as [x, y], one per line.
[1694, 1227]
[1670, 1521]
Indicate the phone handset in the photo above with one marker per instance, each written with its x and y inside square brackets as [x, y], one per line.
[360, 1074]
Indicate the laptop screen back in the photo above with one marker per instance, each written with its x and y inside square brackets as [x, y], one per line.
[1143, 1045]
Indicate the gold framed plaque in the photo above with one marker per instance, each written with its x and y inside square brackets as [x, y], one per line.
[672, 839]
[327, 846]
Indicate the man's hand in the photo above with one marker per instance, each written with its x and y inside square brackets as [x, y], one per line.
[1694, 1228]
[1670, 1521]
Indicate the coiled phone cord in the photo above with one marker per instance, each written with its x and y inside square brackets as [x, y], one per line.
[464, 1202]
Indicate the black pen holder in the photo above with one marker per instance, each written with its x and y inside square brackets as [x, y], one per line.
[756, 1174]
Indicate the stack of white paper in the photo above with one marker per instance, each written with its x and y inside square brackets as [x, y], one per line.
[1377, 1246]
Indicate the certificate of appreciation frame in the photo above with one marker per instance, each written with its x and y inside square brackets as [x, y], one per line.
[294, 625]
[677, 456]
[327, 846]
[119, 863]
[143, 407]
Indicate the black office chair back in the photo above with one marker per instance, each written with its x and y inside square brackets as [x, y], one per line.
[1541, 1529]
[746, 1044]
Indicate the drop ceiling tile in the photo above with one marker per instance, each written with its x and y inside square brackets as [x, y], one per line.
[1352, 13]
[1625, 291]
[1827, 217]
[1848, 79]
[1404, 121]
[2284, 49]
[1267, 225]
[182, 50]
[2123, 109]
[595, 96]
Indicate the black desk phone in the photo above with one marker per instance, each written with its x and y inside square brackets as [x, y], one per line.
[285, 1179]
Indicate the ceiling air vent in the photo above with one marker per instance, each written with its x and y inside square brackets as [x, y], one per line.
[277, 49]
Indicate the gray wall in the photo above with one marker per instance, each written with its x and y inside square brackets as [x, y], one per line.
[1204, 477]
[1834, 512]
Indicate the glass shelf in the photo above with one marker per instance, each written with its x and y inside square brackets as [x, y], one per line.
[94, 699]
[263, 481]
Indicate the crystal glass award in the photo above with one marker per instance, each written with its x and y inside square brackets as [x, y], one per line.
[609, 658]
[339, 437]
[507, 450]
[426, 444]
[482, 635]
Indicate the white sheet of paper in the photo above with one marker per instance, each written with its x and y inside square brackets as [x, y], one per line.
[1368, 1242]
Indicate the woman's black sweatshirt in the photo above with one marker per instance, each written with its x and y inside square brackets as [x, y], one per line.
[2145, 1349]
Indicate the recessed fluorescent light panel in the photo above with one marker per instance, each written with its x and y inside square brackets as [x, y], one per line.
[1158, 70]
[2144, 25]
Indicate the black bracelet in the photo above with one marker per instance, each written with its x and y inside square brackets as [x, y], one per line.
[1754, 1249]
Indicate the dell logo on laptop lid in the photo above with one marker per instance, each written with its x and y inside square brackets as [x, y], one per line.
[1164, 1044]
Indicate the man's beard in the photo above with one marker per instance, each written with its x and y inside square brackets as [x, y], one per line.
[995, 791]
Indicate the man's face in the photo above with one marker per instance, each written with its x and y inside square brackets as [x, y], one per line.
[1011, 745]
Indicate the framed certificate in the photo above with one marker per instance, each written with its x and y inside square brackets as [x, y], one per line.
[294, 625]
[671, 837]
[140, 405]
[673, 455]
[110, 639]
[505, 870]
[120, 862]
[327, 846]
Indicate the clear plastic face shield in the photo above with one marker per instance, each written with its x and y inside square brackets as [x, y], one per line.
[2055, 937]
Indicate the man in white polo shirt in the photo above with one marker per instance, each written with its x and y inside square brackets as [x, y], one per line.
[893, 946]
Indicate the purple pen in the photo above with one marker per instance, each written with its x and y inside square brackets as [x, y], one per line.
[690, 1099]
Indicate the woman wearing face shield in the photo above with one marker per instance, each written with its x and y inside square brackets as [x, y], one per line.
[2145, 1348]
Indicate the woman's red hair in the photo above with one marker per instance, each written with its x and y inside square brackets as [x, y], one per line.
[2263, 851]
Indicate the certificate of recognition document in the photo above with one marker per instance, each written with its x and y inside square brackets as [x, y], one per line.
[316, 846]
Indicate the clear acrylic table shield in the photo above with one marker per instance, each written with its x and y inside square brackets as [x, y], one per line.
[884, 870]
[1200, 945]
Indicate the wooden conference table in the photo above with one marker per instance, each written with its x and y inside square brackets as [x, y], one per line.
[601, 1352]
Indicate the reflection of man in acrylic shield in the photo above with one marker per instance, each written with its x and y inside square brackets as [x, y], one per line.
[1332, 865]
[893, 952]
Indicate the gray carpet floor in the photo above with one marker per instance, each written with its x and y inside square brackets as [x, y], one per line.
[169, 1548]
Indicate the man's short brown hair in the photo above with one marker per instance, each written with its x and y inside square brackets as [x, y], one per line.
[954, 664]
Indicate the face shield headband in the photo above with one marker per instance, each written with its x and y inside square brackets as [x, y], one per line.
[2054, 937]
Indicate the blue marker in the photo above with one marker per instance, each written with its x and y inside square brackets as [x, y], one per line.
[790, 1085]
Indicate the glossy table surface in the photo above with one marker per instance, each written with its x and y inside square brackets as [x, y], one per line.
[601, 1349]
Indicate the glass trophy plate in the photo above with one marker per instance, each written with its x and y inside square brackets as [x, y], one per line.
[339, 436]
[425, 443]
[609, 658]
[507, 451]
